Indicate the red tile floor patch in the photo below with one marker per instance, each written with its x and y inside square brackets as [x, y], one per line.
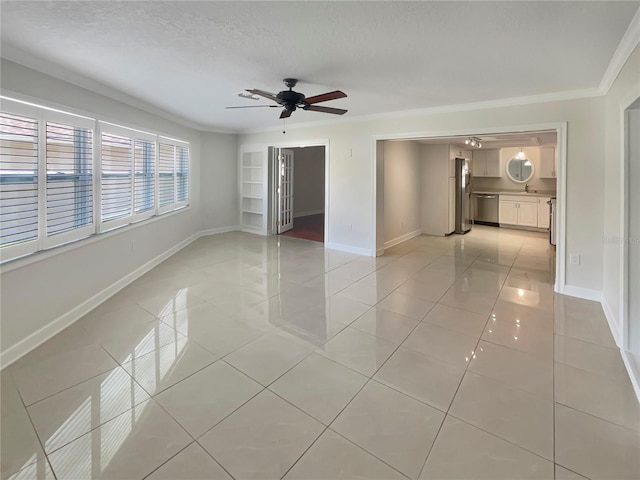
[310, 227]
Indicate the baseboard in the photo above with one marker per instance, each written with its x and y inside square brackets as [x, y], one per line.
[215, 231]
[255, 231]
[439, 234]
[402, 238]
[579, 292]
[632, 370]
[348, 249]
[40, 336]
[379, 252]
[612, 321]
[634, 374]
[308, 213]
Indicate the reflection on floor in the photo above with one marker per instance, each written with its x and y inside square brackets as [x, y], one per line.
[251, 357]
[310, 227]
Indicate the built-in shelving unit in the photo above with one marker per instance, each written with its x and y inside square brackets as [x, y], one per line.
[253, 191]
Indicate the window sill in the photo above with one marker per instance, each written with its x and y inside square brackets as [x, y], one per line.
[19, 262]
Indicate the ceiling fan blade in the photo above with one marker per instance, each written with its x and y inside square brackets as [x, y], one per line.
[325, 97]
[256, 106]
[336, 111]
[262, 93]
[285, 113]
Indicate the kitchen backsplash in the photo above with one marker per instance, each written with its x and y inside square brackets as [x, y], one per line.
[506, 184]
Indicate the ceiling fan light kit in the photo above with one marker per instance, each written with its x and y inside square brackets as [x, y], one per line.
[290, 101]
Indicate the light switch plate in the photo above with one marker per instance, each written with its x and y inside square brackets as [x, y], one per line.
[574, 259]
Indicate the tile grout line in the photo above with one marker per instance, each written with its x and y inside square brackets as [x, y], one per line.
[467, 365]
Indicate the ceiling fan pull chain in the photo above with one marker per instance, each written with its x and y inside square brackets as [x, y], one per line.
[284, 124]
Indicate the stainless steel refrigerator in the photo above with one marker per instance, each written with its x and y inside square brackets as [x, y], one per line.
[463, 196]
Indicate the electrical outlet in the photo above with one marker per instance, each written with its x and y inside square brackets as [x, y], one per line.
[574, 259]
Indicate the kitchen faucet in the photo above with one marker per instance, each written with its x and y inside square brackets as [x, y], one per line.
[526, 188]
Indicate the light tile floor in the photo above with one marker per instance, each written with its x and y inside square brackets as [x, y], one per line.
[263, 358]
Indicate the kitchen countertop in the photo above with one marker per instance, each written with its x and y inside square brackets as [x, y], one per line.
[512, 192]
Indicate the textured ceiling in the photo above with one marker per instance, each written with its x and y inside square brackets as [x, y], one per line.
[191, 58]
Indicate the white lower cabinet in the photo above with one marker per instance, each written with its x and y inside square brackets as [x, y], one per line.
[528, 214]
[543, 212]
[508, 212]
[522, 211]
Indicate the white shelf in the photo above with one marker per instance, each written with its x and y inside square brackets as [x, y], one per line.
[252, 196]
[252, 181]
[255, 212]
[252, 166]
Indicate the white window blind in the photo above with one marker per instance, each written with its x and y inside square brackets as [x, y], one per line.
[60, 181]
[69, 186]
[145, 177]
[128, 175]
[173, 182]
[182, 170]
[18, 183]
[116, 158]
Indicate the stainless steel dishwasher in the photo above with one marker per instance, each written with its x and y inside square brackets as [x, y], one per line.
[485, 208]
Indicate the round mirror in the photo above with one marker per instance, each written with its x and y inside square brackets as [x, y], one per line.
[520, 169]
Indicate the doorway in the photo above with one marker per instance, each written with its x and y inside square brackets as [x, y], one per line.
[298, 192]
[547, 155]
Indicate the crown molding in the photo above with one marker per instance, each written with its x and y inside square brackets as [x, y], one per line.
[629, 42]
[488, 104]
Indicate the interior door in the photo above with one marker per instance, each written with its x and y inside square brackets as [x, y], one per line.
[285, 190]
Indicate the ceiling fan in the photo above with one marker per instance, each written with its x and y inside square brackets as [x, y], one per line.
[291, 101]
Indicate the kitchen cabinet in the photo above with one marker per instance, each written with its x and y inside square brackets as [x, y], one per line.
[543, 212]
[518, 210]
[486, 163]
[548, 162]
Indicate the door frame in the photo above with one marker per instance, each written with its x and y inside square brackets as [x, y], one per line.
[323, 142]
[623, 341]
[377, 247]
[280, 168]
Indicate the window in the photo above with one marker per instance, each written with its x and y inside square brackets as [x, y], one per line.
[18, 182]
[69, 174]
[173, 166]
[127, 181]
[49, 194]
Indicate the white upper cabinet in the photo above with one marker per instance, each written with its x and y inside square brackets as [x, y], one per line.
[548, 163]
[486, 163]
[494, 166]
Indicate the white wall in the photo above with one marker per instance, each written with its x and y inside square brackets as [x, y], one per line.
[308, 180]
[66, 280]
[351, 198]
[505, 183]
[402, 173]
[219, 180]
[435, 189]
[625, 89]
